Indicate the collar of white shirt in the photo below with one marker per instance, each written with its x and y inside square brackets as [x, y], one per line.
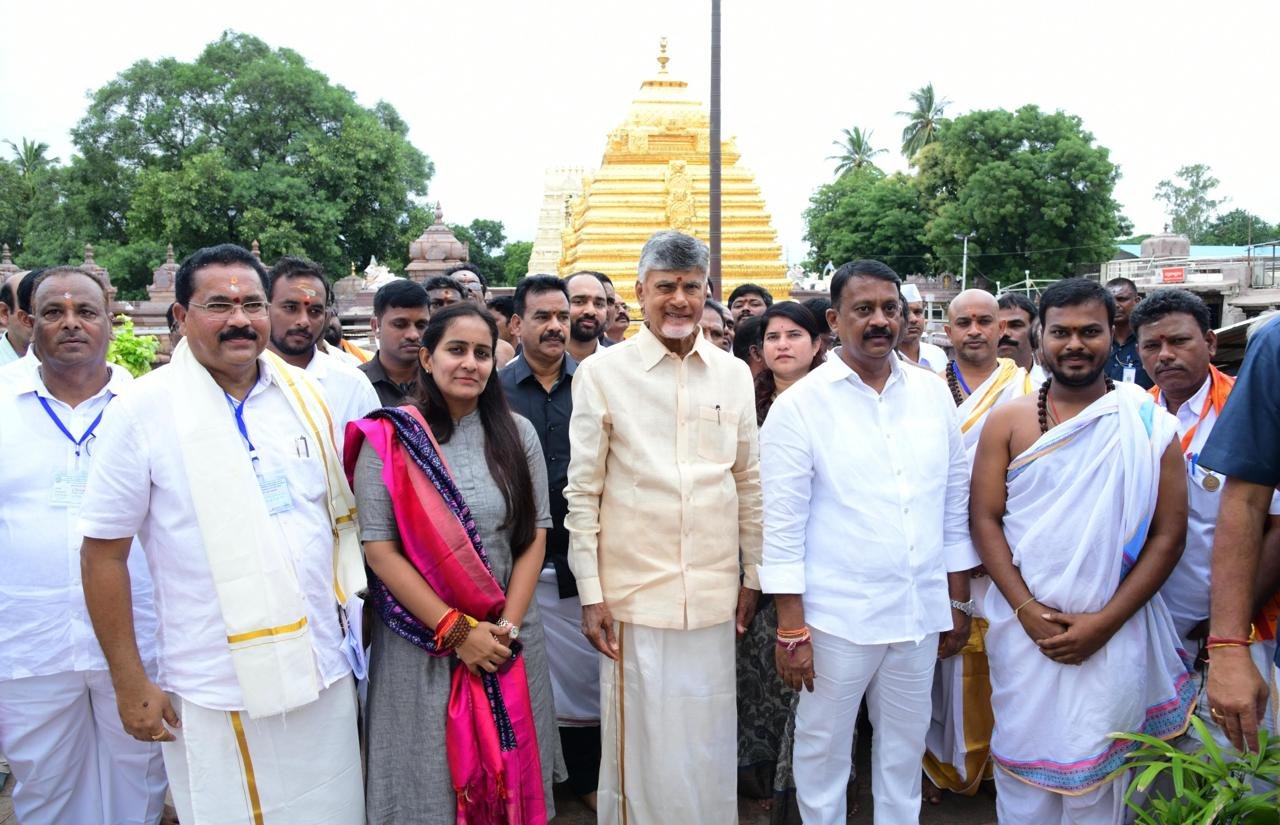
[652, 350]
[29, 380]
[835, 369]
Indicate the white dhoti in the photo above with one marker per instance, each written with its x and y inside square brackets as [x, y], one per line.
[1021, 803]
[575, 664]
[897, 681]
[70, 756]
[296, 768]
[669, 728]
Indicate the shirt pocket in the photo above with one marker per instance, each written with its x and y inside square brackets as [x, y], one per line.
[717, 435]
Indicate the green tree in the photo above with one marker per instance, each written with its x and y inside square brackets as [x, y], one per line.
[30, 158]
[485, 239]
[863, 214]
[245, 143]
[1033, 187]
[515, 261]
[1237, 228]
[925, 120]
[856, 151]
[1190, 203]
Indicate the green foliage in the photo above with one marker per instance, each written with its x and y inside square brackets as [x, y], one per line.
[1237, 228]
[134, 352]
[925, 120]
[484, 238]
[856, 151]
[245, 143]
[515, 261]
[1033, 188]
[864, 214]
[1190, 203]
[1207, 789]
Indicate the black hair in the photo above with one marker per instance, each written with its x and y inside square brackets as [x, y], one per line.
[224, 253]
[1164, 302]
[1016, 300]
[798, 314]
[445, 282]
[504, 305]
[469, 267]
[503, 447]
[748, 333]
[6, 293]
[865, 268]
[37, 278]
[1122, 282]
[750, 289]
[27, 289]
[1070, 292]
[401, 293]
[294, 267]
[169, 317]
[537, 284]
[819, 306]
[712, 303]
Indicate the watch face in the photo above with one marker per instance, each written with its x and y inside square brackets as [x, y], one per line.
[515, 632]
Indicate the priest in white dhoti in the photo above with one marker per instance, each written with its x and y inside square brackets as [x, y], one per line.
[1079, 512]
[958, 748]
[223, 463]
[58, 725]
[663, 514]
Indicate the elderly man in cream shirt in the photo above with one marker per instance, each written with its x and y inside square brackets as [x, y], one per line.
[664, 509]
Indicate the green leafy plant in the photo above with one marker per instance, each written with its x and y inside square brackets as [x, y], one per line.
[1208, 789]
[134, 352]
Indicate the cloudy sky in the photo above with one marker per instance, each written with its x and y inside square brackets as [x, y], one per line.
[495, 92]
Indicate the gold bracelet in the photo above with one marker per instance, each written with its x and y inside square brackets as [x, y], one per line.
[1018, 609]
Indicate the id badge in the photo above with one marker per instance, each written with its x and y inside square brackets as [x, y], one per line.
[1130, 374]
[275, 492]
[68, 489]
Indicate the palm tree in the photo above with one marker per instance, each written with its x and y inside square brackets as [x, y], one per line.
[925, 120]
[855, 151]
[29, 158]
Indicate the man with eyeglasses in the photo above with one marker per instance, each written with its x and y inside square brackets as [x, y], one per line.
[223, 464]
[299, 296]
[71, 759]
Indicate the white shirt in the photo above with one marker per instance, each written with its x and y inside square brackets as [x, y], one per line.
[346, 390]
[139, 487]
[932, 356]
[866, 502]
[44, 625]
[7, 353]
[1186, 591]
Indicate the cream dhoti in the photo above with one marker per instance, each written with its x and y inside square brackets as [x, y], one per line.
[669, 728]
[1080, 502]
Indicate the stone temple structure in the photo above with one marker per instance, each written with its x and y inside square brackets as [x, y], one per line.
[655, 174]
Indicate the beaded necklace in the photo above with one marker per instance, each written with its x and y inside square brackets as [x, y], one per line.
[1042, 403]
[954, 381]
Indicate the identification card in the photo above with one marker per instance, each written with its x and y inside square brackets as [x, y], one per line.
[275, 492]
[1130, 374]
[68, 489]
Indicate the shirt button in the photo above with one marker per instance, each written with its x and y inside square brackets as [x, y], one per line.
[906, 509]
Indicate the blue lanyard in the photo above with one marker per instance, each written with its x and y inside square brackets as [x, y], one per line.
[237, 409]
[960, 378]
[79, 442]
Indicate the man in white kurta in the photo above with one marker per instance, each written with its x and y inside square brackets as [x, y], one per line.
[867, 547]
[58, 721]
[1079, 511]
[222, 464]
[663, 505]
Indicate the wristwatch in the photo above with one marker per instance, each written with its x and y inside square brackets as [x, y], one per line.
[513, 630]
[964, 607]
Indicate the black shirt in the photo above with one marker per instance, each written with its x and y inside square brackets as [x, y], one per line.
[390, 394]
[549, 413]
[1125, 356]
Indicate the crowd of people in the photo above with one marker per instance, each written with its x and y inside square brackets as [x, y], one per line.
[285, 579]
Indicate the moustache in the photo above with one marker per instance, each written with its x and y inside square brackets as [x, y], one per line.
[876, 333]
[1007, 342]
[553, 336]
[246, 333]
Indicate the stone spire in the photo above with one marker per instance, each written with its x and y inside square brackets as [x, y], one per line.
[435, 250]
[161, 288]
[257, 252]
[7, 266]
[90, 265]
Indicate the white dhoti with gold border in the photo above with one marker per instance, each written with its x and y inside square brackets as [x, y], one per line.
[669, 728]
[301, 767]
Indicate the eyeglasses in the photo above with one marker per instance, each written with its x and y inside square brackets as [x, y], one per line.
[251, 309]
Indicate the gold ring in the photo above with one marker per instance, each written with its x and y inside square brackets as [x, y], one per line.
[1215, 713]
[158, 737]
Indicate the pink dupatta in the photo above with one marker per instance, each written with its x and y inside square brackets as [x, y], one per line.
[490, 736]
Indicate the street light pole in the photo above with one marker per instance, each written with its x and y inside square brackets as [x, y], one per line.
[964, 260]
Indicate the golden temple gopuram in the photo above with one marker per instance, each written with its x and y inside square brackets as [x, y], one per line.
[655, 175]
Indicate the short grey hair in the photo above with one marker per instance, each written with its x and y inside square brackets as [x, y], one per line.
[674, 252]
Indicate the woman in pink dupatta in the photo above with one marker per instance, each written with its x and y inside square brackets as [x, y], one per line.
[453, 508]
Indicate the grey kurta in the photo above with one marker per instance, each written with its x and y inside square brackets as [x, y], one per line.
[407, 779]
